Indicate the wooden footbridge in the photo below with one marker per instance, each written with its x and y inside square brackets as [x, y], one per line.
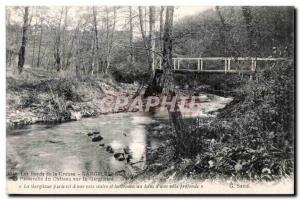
[240, 65]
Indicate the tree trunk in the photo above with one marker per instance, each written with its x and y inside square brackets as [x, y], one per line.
[34, 41]
[167, 64]
[142, 27]
[69, 54]
[222, 31]
[151, 45]
[161, 28]
[248, 20]
[165, 83]
[40, 45]
[131, 36]
[21, 53]
[57, 45]
[98, 60]
[110, 41]
[147, 43]
[64, 42]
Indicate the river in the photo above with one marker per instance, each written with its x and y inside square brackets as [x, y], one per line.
[66, 147]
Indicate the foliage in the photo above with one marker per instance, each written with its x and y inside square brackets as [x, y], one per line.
[252, 139]
[205, 35]
[130, 72]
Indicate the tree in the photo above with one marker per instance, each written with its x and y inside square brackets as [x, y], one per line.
[110, 37]
[142, 28]
[70, 51]
[98, 59]
[222, 31]
[64, 41]
[164, 84]
[167, 79]
[131, 35]
[57, 44]
[248, 20]
[151, 44]
[21, 53]
[40, 45]
[161, 27]
[34, 32]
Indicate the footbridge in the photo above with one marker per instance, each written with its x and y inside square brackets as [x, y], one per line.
[239, 65]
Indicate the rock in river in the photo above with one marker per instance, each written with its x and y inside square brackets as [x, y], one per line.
[129, 157]
[119, 156]
[109, 149]
[126, 150]
[97, 138]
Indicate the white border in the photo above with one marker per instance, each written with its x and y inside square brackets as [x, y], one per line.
[4, 3]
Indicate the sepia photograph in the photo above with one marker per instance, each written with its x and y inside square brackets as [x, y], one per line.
[158, 99]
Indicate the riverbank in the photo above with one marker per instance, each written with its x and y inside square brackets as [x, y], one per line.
[252, 138]
[49, 99]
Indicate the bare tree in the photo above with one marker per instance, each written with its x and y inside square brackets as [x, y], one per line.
[142, 27]
[64, 35]
[21, 53]
[34, 33]
[40, 45]
[161, 27]
[222, 30]
[131, 35]
[70, 51]
[167, 80]
[57, 44]
[110, 37]
[98, 59]
[248, 20]
[151, 39]
[148, 43]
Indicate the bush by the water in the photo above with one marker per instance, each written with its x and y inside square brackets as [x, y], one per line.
[130, 72]
[252, 138]
[53, 99]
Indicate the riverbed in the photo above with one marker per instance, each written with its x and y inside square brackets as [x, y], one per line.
[66, 147]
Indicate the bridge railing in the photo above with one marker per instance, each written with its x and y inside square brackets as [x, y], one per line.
[177, 63]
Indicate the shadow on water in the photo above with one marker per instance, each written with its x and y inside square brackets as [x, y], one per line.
[66, 147]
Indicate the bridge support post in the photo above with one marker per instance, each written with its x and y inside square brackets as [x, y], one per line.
[201, 65]
[160, 61]
[225, 65]
[174, 64]
[253, 67]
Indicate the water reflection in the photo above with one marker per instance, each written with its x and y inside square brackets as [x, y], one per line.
[66, 147]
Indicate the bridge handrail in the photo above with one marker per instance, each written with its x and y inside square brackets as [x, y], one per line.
[232, 58]
[227, 65]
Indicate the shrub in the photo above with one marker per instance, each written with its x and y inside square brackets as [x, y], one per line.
[254, 138]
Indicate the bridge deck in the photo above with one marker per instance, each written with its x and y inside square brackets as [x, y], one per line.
[227, 65]
[186, 71]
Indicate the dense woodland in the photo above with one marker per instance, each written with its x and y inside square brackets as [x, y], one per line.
[252, 138]
[94, 40]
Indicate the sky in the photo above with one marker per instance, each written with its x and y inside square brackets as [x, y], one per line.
[75, 13]
[182, 11]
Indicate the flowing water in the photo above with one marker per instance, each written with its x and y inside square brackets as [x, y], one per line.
[66, 146]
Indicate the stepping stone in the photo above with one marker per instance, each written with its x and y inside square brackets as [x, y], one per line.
[97, 138]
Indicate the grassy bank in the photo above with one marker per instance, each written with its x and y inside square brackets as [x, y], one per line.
[252, 138]
[53, 97]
